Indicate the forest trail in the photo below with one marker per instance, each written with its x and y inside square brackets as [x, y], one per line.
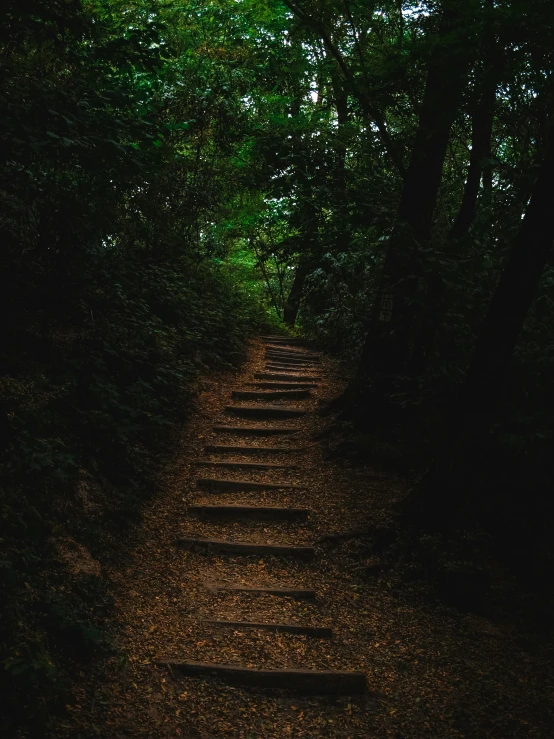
[231, 593]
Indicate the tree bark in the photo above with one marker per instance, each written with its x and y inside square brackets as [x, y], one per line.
[515, 293]
[307, 261]
[294, 298]
[465, 440]
[387, 347]
[481, 134]
[341, 215]
[480, 161]
[479, 166]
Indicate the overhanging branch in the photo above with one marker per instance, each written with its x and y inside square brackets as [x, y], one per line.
[368, 108]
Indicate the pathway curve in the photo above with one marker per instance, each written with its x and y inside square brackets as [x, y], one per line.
[234, 619]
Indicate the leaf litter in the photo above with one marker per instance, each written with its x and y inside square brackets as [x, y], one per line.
[432, 672]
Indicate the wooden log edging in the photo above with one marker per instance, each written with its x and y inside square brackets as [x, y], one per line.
[215, 484]
[307, 682]
[318, 632]
[297, 593]
[260, 513]
[245, 465]
[256, 430]
[245, 547]
[277, 394]
[264, 411]
[247, 450]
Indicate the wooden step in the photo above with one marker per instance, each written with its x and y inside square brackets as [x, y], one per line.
[231, 464]
[284, 385]
[264, 411]
[214, 485]
[300, 363]
[286, 346]
[289, 377]
[297, 593]
[280, 367]
[296, 351]
[245, 547]
[291, 360]
[290, 368]
[221, 449]
[292, 357]
[290, 350]
[246, 465]
[306, 682]
[282, 339]
[298, 366]
[276, 395]
[259, 513]
[319, 632]
[256, 430]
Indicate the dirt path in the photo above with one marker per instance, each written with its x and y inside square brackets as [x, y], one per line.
[428, 671]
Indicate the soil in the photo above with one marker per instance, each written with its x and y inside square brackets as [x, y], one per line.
[432, 671]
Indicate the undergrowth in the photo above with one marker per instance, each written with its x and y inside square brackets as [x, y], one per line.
[89, 407]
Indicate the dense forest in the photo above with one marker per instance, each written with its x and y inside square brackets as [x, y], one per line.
[179, 175]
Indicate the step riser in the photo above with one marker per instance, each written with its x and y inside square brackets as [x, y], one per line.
[246, 465]
[215, 486]
[316, 632]
[297, 594]
[292, 365]
[253, 450]
[247, 548]
[282, 395]
[298, 349]
[291, 362]
[305, 682]
[284, 376]
[250, 514]
[255, 431]
[292, 352]
[291, 357]
[282, 340]
[300, 372]
[283, 385]
[264, 413]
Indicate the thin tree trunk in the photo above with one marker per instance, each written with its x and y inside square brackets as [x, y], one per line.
[515, 293]
[481, 134]
[306, 263]
[294, 299]
[387, 347]
[465, 439]
[479, 163]
[481, 127]
[371, 112]
[341, 185]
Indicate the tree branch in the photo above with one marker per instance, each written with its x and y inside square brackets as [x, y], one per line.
[368, 109]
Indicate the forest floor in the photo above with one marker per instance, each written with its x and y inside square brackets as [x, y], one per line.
[432, 671]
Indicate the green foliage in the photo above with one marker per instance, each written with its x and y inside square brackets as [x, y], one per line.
[166, 171]
[120, 141]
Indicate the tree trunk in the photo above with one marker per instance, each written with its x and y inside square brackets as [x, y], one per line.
[341, 214]
[294, 299]
[306, 263]
[481, 134]
[517, 287]
[479, 166]
[387, 347]
[465, 441]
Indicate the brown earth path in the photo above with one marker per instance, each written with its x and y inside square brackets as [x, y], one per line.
[425, 670]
